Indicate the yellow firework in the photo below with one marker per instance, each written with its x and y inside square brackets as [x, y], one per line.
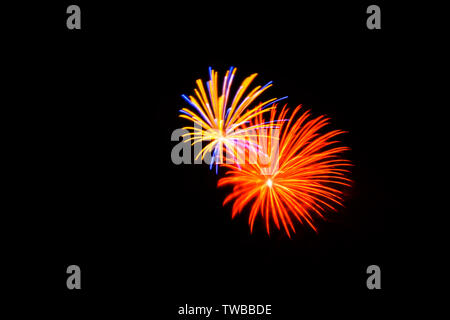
[221, 120]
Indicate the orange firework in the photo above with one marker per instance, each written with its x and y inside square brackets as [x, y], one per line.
[300, 179]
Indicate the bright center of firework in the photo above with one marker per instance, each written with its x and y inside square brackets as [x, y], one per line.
[221, 136]
[269, 183]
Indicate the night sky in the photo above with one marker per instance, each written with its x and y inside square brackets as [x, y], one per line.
[95, 185]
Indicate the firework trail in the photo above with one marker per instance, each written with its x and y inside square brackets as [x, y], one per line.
[301, 180]
[219, 119]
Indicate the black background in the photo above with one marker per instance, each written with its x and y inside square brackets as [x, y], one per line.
[94, 184]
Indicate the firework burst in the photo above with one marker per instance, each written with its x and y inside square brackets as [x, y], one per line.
[220, 119]
[301, 179]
